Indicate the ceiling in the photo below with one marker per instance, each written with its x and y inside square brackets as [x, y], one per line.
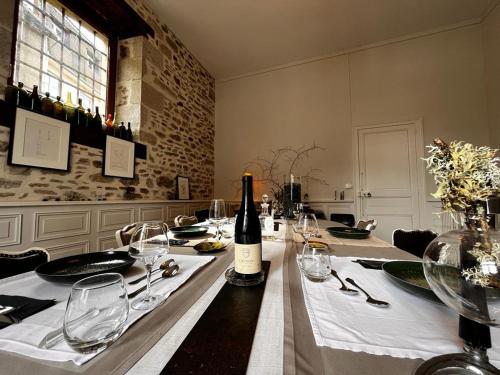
[235, 37]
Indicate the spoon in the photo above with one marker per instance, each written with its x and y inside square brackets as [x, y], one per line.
[170, 272]
[164, 266]
[343, 288]
[369, 299]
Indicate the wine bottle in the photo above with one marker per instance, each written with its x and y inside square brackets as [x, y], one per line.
[80, 114]
[247, 241]
[36, 103]
[69, 107]
[23, 97]
[88, 119]
[58, 111]
[47, 105]
[130, 136]
[97, 121]
[122, 131]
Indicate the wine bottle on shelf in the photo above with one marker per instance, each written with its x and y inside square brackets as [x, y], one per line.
[122, 131]
[36, 103]
[89, 119]
[23, 96]
[58, 110]
[12, 95]
[80, 117]
[247, 241]
[130, 137]
[47, 105]
[69, 107]
[97, 121]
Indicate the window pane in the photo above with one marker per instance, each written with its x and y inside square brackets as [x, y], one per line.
[54, 12]
[101, 45]
[102, 106]
[72, 24]
[51, 66]
[53, 30]
[86, 100]
[86, 50]
[99, 91]
[52, 48]
[70, 58]
[101, 76]
[86, 83]
[69, 76]
[38, 3]
[101, 60]
[28, 76]
[87, 35]
[71, 40]
[31, 25]
[51, 85]
[29, 55]
[86, 67]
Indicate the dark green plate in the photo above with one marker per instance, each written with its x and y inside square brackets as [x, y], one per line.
[209, 247]
[352, 233]
[189, 231]
[410, 276]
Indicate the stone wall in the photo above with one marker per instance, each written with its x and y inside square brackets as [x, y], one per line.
[167, 96]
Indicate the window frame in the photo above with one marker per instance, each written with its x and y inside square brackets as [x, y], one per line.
[112, 53]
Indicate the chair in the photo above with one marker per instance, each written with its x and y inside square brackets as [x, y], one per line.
[346, 219]
[367, 224]
[183, 220]
[414, 242]
[15, 263]
[201, 215]
[124, 235]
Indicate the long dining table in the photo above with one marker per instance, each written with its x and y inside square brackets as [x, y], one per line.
[284, 342]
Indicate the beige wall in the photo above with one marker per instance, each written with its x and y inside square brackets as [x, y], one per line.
[491, 47]
[438, 78]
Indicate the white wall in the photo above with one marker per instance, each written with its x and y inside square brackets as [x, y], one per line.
[439, 78]
[491, 46]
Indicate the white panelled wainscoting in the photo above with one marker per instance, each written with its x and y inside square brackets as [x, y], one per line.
[69, 228]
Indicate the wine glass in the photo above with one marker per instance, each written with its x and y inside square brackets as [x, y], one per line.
[297, 209]
[307, 226]
[96, 312]
[217, 214]
[148, 243]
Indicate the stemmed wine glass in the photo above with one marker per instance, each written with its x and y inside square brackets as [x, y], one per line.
[217, 215]
[307, 226]
[148, 243]
[297, 209]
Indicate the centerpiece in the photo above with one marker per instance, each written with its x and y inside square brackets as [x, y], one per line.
[463, 266]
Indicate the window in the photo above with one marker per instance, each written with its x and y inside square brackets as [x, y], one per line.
[60, 53]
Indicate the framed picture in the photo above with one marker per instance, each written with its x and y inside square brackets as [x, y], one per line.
[183, 187]
[119, 158]
[39, 141]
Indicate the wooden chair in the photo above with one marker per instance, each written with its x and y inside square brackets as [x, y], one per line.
[183, 220]
[414, 242]
[15, 263]
[346, 219]
[201, 215]
[367, 224]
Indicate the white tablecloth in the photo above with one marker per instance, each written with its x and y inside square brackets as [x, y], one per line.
[412, 327]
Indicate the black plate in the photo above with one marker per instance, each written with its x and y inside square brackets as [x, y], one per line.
[76, 267]
[189, 231]
[352, 233]
[410, 276]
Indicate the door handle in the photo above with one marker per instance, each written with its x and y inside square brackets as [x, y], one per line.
[368, 195]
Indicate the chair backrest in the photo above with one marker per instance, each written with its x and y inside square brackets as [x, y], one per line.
[201, 215]
[367, 224]
[346, 219]
[414, 242]
[15, 263]
[183, 220]
[124, 235]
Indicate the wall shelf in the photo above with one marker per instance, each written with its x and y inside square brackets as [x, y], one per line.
[79, 135]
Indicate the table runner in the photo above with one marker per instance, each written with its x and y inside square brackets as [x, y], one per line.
[411, 327]
[134, 343]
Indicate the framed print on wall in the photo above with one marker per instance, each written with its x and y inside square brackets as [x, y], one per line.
[39, 141]
[119, 158]
[182, 185]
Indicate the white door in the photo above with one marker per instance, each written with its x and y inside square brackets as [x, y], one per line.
[388, 182]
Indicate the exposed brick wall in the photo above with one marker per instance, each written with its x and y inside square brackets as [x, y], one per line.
[169, 99]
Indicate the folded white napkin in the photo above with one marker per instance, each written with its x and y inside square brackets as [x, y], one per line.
[23, 338]
[412, 327]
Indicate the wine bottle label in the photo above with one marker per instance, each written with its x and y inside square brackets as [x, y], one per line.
[247, 258]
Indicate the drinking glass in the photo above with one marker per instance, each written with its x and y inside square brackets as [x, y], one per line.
[316, 263]
[217, 214]
[148, 243]
[307, 226]
[297, 209]
[96, 312]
